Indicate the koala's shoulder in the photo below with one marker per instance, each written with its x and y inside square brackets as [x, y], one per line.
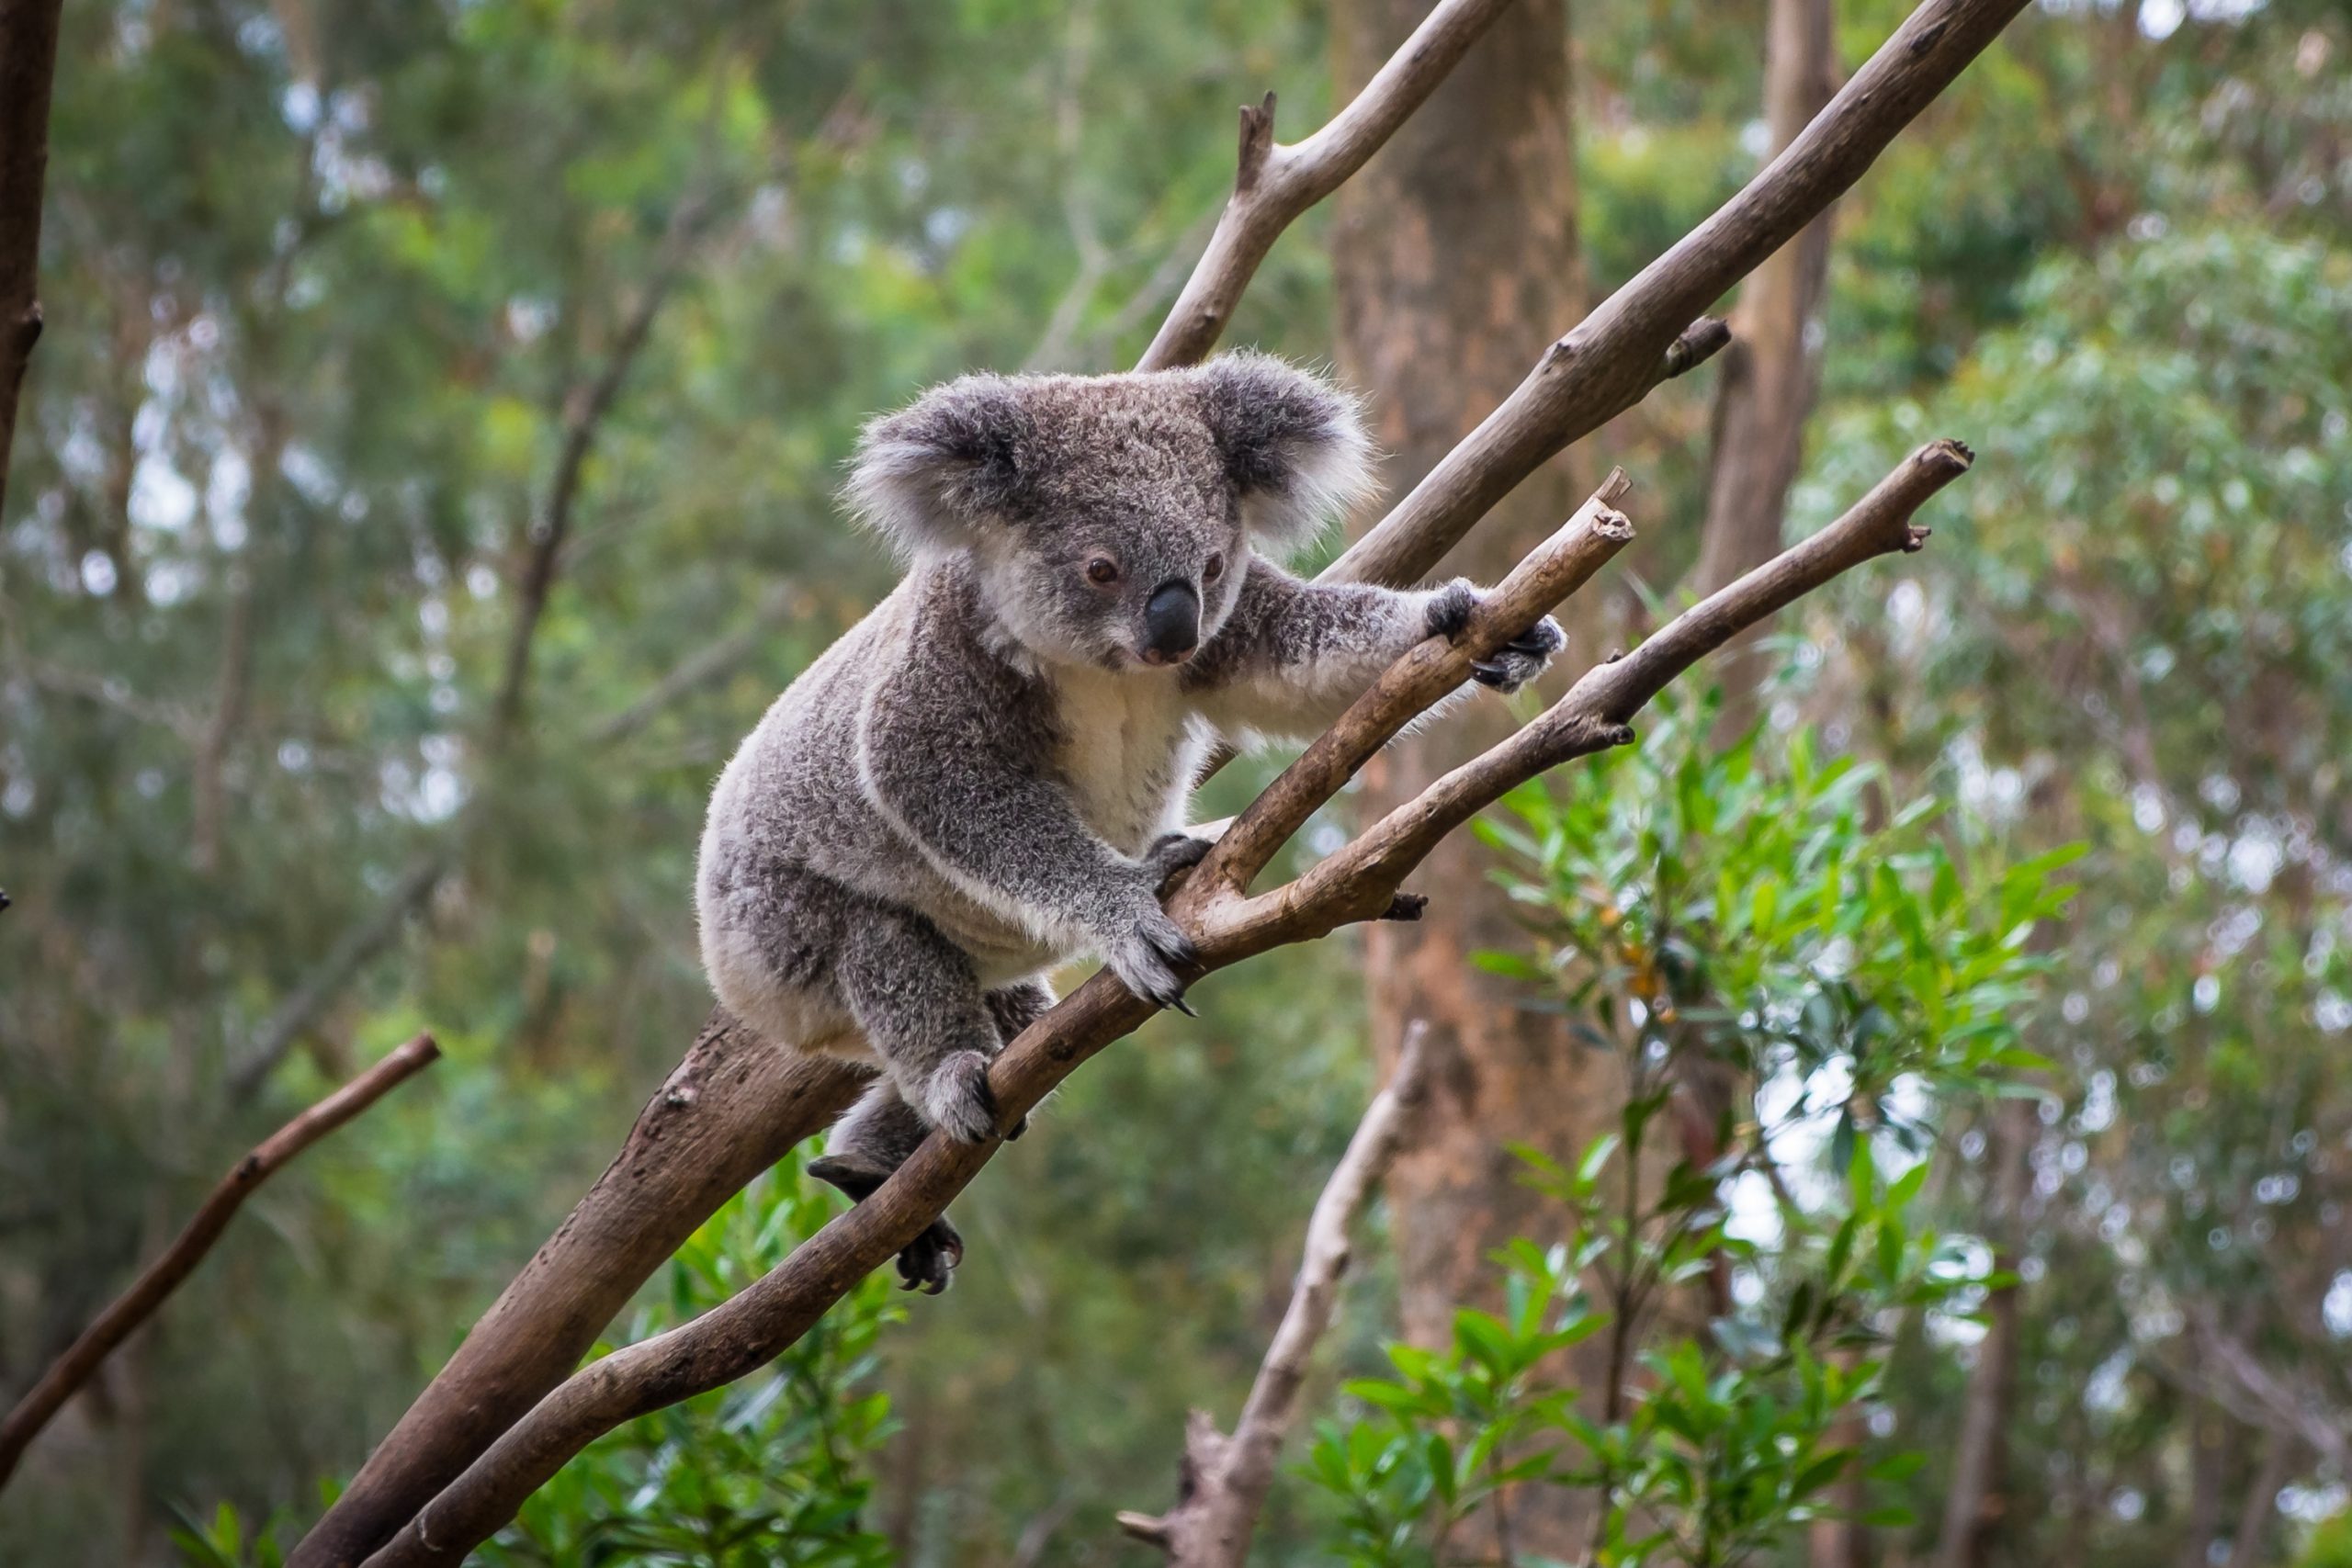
[949, 680]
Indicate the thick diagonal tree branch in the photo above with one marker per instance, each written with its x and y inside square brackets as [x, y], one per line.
[160, 1279]
[1629, 343]
[549, 1315]
[1223, 1481]
[1359, 881]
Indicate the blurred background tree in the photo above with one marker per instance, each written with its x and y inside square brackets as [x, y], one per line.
[427, 477]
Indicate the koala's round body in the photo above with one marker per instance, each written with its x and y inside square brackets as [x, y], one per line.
[987, 776]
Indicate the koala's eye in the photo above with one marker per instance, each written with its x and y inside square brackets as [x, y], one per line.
[1103, 571]
[1216, 569]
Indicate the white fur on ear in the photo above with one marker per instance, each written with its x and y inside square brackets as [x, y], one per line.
[925, 475]
[1294, 445]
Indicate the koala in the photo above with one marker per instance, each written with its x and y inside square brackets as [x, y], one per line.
[989, 775]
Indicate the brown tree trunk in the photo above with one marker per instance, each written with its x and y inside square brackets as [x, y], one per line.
[1976, 1504]
[1450, 247]
[2261, 1500]
[1772, 369]
[27, 65]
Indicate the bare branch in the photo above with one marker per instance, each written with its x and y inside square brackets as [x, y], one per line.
[1223, 1480]
[160, 1277]
[1359, 881]
[1273, 184]
[28, 69]
[1621, 350]
[734, 1107]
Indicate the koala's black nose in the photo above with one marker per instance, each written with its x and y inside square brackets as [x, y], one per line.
[1172, 622]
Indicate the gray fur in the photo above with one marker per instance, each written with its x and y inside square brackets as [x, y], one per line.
[984, 778]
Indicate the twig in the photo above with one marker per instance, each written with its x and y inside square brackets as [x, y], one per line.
[1273, 184]
[160, 1277]
[1359, 882]
[1222, 1482]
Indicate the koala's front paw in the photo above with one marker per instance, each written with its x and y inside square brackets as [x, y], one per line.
[1171, 852]
[928, 1262]
[957, 1100]
[1449, 608]
[1520, 660]
[1147, 958]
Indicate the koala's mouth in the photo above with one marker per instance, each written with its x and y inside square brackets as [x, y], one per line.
[1159, 660]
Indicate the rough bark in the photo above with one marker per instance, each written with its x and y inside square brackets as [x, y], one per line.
[1464, 230]
[1222, 1482]
[160, 1277]
[1976, 1503]
[730, 1110]
[27, 67]
[1768, 378]
[1363, 881]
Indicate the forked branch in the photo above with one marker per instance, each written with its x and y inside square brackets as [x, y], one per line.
[1359, 881]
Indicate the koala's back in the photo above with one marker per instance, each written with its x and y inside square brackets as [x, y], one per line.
[795, 840]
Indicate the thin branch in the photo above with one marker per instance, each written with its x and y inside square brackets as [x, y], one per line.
[28, 69]
[160, 1277]
[1621, 350]
[1273, 184]
[1223, 1480]
[1359, 881]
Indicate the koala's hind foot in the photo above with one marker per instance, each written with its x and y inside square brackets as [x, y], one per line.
[868, 1143]
[914, 997]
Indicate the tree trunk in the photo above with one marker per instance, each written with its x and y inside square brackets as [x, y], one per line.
[1450, 247]
[1976, 1504]
[2261, 1500]
[27, 65]
[1772, 369]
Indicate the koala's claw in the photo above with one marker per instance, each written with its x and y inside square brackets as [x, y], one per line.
[1173, 852]
[957, 1099]
[1520, 660]
[1450, 609]
[1148, 960]
[930, 1261]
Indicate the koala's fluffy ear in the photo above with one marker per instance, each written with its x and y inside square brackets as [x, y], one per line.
[925, 477]
[1294, 445]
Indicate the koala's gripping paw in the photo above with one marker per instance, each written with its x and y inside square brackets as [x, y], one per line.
[1520, 660]
[928, 1262]
[1171, 852]
[957, 1100]
[1449, 608]
[1146, 960]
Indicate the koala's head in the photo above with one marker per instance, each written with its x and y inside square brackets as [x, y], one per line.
[1111, 517]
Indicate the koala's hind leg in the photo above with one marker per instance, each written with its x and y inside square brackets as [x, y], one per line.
[913, 995]
[1015, 1008]
[880, 1131]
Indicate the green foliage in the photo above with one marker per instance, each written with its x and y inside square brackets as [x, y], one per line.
[765, 1473]
[1723, 918]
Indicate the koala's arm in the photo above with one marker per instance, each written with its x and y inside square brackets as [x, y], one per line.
[958, 757]
[1293, 655]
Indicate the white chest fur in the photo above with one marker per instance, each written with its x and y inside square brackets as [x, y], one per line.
[1130, 749]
